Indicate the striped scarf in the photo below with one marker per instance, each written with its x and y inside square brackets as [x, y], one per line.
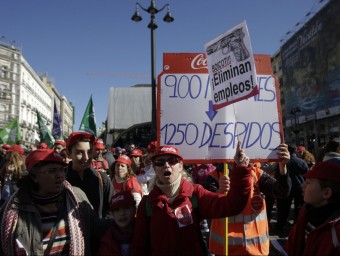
[10, 220]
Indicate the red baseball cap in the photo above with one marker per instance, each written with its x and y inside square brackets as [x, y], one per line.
[60, 142]
[167, 150]
[152, 146]
[99, 143]
[301, 148]
[124, 159]
[42, 155]
[324, 171]
[136, 152]
[6, 146]
[43, 145]
[17, 148]
[122, 199]
[77, 136]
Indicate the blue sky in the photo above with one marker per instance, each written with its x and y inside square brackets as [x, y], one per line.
[88, 46]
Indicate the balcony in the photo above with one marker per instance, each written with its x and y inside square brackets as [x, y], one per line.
[23, 124]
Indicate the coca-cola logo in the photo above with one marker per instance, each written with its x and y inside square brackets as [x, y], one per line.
[169, 149]
[117, 199]
[124, 157]
[199, 62]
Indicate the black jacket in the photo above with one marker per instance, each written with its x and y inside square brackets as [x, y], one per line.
[98, 190]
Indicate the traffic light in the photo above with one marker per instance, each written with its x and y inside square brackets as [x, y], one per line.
[311, 139]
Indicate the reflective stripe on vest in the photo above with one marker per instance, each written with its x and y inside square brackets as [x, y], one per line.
[335, 237]
[247, 218]
[214, 236]
[249, 241]
[248, 231]
[217, 236]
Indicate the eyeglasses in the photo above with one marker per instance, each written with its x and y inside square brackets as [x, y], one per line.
[54, 170]
[171, 161]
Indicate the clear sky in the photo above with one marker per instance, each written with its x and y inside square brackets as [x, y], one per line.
[88, 46]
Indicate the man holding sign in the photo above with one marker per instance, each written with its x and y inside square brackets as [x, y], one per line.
[233, 79]
[248, 232]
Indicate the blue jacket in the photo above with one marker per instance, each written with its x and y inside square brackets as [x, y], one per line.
[296, 168]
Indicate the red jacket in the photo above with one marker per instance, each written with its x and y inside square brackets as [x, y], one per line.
[131, 184]
[115, 243]
[165, 234]
[323, 240]
[108, 245]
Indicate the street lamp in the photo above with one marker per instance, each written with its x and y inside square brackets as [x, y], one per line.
[152, 10]
[294, 112]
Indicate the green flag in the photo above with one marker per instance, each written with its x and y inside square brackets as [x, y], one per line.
[11, 133]
[45, 134]
[88, 123]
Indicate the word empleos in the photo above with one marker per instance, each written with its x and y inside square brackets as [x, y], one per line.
[222, 75]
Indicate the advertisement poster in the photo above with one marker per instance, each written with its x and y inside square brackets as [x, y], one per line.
[311, 67]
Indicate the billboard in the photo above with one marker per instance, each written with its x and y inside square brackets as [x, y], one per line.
[311, 66]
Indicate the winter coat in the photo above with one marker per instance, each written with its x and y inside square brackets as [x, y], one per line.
[323, 240]
[116, 243]
[333, 157]
[98, 189]
[296, 168]
[26, 238]
[173, 231]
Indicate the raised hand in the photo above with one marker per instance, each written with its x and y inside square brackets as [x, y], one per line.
[240, 158]
[224, 184]
[284, 156]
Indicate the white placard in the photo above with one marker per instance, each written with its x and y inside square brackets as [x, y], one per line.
[189, 122]
[231, 67]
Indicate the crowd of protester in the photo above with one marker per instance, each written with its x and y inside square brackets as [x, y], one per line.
[82, 197]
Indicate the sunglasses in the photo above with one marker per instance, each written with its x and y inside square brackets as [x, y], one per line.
[54, 170]
[161, 161]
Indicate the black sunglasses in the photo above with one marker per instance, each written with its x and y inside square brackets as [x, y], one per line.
[171, 161]
[54, 170]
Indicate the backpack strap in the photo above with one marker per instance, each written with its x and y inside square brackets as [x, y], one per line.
[194, 202]
[196, 210]
[148, 208]
[100, 179]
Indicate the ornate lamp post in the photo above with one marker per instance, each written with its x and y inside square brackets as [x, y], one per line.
[294, 112]
[152, 10]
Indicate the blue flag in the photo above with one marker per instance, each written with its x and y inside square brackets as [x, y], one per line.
[57, 129]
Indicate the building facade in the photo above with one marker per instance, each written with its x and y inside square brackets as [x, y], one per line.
[23, 92]
[308, 68]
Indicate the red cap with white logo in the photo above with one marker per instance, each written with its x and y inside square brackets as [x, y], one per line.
[124, 159]
[122, 199]
[167, 150]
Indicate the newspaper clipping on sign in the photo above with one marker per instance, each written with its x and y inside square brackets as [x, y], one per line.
[231, 67]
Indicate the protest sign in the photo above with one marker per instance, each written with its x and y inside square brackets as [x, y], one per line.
[231, 67]
[188, 121]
